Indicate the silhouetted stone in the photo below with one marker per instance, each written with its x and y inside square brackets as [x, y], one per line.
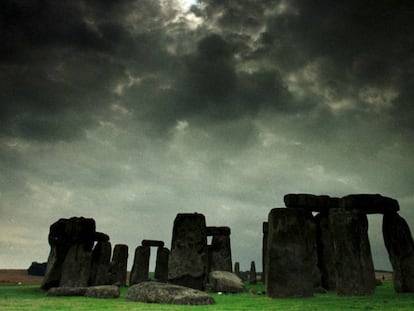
[187, 265]
[224, 281]
[103, 291]
[326, 260]
[63, 235]
[140, 269]
[161, 264]
[400, 247]
[101, 237]
[370, 203]
[264, 249]
[237, 268]
[118, 266]
[252, 274]
[211, 231]
[156, 292]
[291, 253]
[101, 257]
[154, 243]
[220, 259]
[353, 260]
[37, 269]
[310, 202]
[76, 267]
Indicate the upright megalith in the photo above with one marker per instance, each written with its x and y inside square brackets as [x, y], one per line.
[291, 253]
[400, 247]
[161, 264]
[187, 264]
[71, 242]
[265, 229]
[140, 268]
[101, 257]
[326, 259]
[252, 273]
[237, 268]
[220, 250]
[118, 266]
[353, 260]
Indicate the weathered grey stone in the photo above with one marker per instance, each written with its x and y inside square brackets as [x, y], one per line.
[63, 234]
[187, 265]
[264, 249]
[118, 266]
[326, 260]
[311, 202]
[252, 273]
[153, 243]
[353, 260]
[291, 253]
[76, 267]
[140, 268]
[224, 281]
[67, 291]
[103, 291]
[400, 247]
[369, 203]
[211, 231]
[220, 253]
[101, 257]
[156, 292]
[161, 264]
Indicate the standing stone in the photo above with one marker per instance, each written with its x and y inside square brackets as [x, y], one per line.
[353, 260]
[187, 265]
[291, 253]
[63, 235]
[326, 260]
[237, 268]
[76, 267]
[161, 264]
[264, 249]
[140, 268]
[400, 247]
[252, 273]
[101, 257]
[118, 266]
[221, 253]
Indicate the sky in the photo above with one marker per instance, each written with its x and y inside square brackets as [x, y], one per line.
[132, 111]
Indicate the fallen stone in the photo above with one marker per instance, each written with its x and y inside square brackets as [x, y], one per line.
[155, 292]
[103, 291]
[369, 203]
[67, 291]
[224, 281]
[310, 202]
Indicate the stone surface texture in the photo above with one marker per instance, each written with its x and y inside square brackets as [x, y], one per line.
[353, 260]
[227, 282]
[156, 292]
[103, 291]
[140, 268]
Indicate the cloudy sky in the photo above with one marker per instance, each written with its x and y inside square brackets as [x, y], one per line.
[133, 111]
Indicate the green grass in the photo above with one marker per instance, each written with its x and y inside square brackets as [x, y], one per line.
[30, 297]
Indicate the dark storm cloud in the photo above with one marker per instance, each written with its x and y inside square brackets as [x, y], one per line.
[60, 61]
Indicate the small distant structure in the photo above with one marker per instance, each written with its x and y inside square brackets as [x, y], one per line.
[37, 269]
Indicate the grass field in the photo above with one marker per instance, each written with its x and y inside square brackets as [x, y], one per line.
[30, 297]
